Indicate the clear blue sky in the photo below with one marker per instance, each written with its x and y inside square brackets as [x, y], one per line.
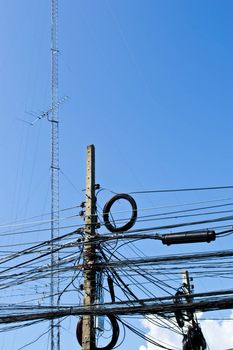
[150, 84]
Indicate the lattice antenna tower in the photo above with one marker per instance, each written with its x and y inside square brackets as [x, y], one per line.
[55, 327]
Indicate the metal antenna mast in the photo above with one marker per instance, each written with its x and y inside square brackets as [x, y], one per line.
[55, 327]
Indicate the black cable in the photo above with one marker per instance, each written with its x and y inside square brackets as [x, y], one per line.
[143, 336]
[7, 233]
[33, 248]
[137, 272]
[183, 189]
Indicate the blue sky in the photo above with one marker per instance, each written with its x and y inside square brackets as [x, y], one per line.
[149, 83]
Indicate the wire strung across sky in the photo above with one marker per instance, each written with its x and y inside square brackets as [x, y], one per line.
[183, 189]
[26, 269]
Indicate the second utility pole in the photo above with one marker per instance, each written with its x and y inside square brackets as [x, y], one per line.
[88, 326]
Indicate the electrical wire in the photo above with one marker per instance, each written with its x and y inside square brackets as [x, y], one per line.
[183, 189]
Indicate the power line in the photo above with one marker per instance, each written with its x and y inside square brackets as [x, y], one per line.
[121, 308]
[183, 189]
[169, 258]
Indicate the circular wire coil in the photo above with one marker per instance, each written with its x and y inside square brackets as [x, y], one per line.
[115, 333]
[107, 208]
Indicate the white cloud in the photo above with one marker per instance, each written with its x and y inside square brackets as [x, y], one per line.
[218, 335]
[161, 335]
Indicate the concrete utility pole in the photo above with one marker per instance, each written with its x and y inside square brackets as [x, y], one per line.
[188, 289]
[186, 282]
[88, 327]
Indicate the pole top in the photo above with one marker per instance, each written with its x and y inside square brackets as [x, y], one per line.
[90, 146]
